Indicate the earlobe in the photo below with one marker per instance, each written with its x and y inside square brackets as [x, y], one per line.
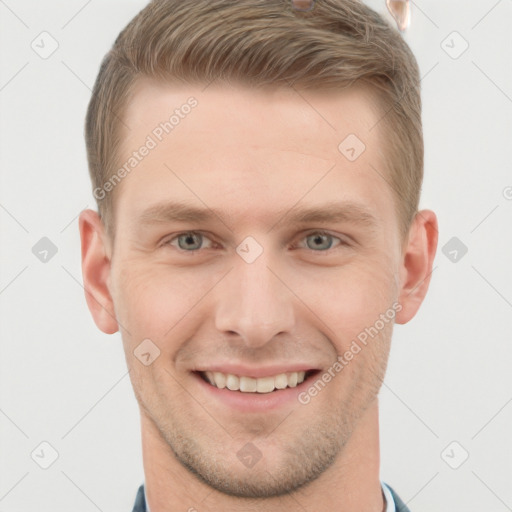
[96, 271]
[416, 265]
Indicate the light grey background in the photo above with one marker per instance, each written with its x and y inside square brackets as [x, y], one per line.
[64, 382]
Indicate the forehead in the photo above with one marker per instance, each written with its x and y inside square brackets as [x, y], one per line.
[251, 153]
[256, 111]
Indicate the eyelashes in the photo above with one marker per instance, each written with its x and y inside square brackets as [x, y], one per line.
[190, 237]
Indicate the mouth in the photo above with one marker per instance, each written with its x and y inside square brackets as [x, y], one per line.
[252, 385]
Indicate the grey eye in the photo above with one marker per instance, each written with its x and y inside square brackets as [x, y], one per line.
[320, 241]
[189, 241]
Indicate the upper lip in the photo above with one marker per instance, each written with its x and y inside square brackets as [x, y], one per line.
[256, 371]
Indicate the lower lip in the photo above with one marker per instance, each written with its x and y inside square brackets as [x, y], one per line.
[254, 402]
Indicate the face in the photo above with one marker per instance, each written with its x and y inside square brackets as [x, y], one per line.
[252, 252]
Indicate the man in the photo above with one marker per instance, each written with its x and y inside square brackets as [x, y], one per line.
[258, 171]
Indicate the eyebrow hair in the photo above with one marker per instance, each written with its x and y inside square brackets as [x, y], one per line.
[338, 211]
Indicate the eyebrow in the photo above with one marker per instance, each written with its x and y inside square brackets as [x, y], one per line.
[336, 212]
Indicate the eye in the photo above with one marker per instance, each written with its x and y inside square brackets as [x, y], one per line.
[189, 241]
[322, 241]
[192, 241]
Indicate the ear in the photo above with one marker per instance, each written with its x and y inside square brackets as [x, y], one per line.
[96, 271]
[416, 265]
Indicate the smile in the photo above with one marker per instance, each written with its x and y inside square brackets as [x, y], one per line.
[246, 384]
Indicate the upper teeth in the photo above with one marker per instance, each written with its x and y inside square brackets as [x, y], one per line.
[251, 385]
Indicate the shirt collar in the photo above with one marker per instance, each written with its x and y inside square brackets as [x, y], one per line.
[390, 502]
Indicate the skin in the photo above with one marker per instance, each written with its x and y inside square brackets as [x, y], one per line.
[253, 156]
[303, 5]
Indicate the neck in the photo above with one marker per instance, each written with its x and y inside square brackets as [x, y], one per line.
[351, 484]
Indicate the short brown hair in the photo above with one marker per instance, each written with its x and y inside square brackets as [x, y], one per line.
[263, 43]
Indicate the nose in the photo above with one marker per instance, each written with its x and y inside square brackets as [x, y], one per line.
[254, 302]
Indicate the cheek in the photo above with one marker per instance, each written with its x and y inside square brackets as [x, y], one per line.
[349, 299]
[152, 301]
[156, 302]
